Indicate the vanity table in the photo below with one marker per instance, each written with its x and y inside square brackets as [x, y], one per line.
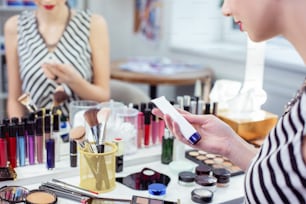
[32, 176]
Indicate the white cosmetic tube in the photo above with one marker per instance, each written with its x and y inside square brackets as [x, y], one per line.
[186, 128]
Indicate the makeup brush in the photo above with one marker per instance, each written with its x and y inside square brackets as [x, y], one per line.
[102, 117]
[90, 116]
[78, 134]
[25, 99]
[59, 96]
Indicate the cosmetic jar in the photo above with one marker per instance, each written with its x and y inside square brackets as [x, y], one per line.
[203, 169]
[206, 182]
[41, 196]
[157, 189]
[223, 176]
[200, 195]
[186, 178]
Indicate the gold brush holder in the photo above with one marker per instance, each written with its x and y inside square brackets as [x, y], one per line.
[251, 129]
[97, 170]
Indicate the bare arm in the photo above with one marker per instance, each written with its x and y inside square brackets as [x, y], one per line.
[99, 42]
[14, 107]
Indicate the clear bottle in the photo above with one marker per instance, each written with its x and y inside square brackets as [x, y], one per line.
[167, 147]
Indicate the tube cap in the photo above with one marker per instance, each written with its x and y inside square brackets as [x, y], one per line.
[157, 189]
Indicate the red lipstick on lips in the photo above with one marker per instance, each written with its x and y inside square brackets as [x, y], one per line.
[49, 7]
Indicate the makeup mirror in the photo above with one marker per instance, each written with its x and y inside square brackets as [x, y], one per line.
[141, 180]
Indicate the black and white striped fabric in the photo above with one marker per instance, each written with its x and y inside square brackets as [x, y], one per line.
[278, 174]
[73, 48]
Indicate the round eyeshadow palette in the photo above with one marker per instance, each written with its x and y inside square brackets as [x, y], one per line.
[213, 160]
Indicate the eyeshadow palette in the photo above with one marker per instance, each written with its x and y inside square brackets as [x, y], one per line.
[145, 200]
[213, 160]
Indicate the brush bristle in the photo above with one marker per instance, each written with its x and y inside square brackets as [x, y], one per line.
[91, 117]
[103, 115]
[24, 98]
[59, 97]
[77, 133]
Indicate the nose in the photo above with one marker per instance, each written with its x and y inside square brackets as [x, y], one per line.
[225, 8]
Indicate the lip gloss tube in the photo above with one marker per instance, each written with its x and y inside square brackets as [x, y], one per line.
[56, 136]
[140, 127]
[186, 128]
[21, 144]
[39, 140]
[30, 135]
[50, 148]
[155, 129]
[147, 124]
[12, 143]
[3, 146]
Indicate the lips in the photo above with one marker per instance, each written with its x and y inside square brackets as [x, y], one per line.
[239, 23]
[49, 7]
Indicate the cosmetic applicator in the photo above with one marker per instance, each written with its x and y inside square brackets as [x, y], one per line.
[25, 99]
[102, 117]
[59, 96]
[78, 134]
[91, 118]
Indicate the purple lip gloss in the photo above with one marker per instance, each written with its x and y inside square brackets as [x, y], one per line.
[31, 142]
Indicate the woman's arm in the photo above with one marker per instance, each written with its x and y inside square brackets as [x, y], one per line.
[217, 137]
[14, 107]
[99, 42]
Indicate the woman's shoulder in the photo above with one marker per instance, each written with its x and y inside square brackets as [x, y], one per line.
[10, 25]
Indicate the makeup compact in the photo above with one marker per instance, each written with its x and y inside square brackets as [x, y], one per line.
[157, 189]
[203, 169]
[41, 196]
[206, 181]
[186, 178]
[215, 161]
[223, 176]
[201, 195]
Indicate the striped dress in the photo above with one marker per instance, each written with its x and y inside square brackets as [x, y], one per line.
[278, 173]
[73, 48]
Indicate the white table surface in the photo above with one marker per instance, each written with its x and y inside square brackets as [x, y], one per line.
[32, 176]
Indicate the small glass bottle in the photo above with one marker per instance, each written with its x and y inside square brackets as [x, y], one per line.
[167, 147]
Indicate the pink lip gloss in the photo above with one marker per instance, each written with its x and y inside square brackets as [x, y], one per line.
[155, 129]
[39, 140]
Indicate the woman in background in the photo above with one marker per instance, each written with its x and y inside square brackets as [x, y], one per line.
[276, 173]
[54, 45]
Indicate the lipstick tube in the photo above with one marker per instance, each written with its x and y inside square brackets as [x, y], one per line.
[50, 148]
[3, 146]
[21, 144]
[39, 140]
[56, 135]
[147, 124]
[12, 143]
[140, 128]
[155, 129]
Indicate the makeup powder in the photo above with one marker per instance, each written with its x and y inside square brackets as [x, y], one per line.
[41, 196]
